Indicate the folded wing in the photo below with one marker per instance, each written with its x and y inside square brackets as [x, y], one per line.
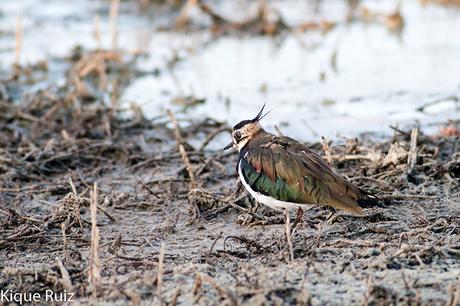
[289, 171]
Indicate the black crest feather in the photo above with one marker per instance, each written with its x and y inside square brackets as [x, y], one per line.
[255, 119]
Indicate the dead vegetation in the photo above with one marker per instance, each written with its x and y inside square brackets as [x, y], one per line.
[67, 157]
[441, 2]
[267, 20]
[123, 209]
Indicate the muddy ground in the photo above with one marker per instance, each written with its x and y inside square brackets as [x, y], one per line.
[119, 209]
[59, 143]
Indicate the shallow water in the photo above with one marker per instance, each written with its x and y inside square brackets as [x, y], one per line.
[378, 79]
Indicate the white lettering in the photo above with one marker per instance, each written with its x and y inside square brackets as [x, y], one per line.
[17, 297]
[49, 295]
[8, 296]
[27, 297]
[36, 297]
[4, 297]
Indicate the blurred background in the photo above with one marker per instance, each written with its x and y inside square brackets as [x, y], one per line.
[331, 68]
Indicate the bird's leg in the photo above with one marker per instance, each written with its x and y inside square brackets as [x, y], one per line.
[297, 219]
[255, 206]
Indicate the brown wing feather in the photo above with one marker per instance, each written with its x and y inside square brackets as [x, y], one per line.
[299, 166]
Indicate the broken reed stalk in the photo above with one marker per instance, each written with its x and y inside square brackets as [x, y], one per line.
[456, 297]
[278, 130]
[298, 218]
[214, 243]
[177, 133]
[318, 236]
[72, 185]
[197, 285]
[113, 22]
[161, 259]
[327, 152]
[175, 297]
[224, 293]
[288, 235]
[412, 156]
[114, 97]
[64, 241]
[188, 166]
[74, 191]
[18, 41]
[183, 153]
[97, 31]
[66, 282]
[184, 13]
[94, 265]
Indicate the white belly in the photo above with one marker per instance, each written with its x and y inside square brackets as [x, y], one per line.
[266, 200]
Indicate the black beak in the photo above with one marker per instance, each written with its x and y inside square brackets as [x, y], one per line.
[228, 146]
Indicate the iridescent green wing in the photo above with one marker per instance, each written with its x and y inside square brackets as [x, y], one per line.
[289, 171]
[262, 181]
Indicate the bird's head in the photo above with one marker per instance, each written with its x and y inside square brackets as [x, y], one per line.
[246, 130]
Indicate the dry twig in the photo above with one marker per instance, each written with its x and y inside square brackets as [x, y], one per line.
[288, 235]
[64, 241]
[66, 282]
[327, 152]
[412, 156]
[177, 133]
[18, 42]
[113, 23]
[188, 166]
[94, 277]
[161, 259]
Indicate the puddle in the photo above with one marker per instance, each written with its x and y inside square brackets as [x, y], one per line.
[357, 78]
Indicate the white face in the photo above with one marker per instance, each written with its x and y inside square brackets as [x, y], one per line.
[244, 134]
[239, 141]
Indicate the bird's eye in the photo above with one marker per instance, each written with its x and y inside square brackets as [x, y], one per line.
[237, 135]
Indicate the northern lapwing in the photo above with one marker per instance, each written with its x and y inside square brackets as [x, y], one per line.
[281, 172]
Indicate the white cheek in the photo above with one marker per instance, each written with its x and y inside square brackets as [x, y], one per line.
[242, 144]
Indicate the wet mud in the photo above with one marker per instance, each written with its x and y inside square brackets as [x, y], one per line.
[112, 204]
[158, 184]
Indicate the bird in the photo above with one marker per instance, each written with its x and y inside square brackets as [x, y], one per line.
[284, 174]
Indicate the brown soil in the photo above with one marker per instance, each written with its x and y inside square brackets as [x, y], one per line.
[218, 249]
